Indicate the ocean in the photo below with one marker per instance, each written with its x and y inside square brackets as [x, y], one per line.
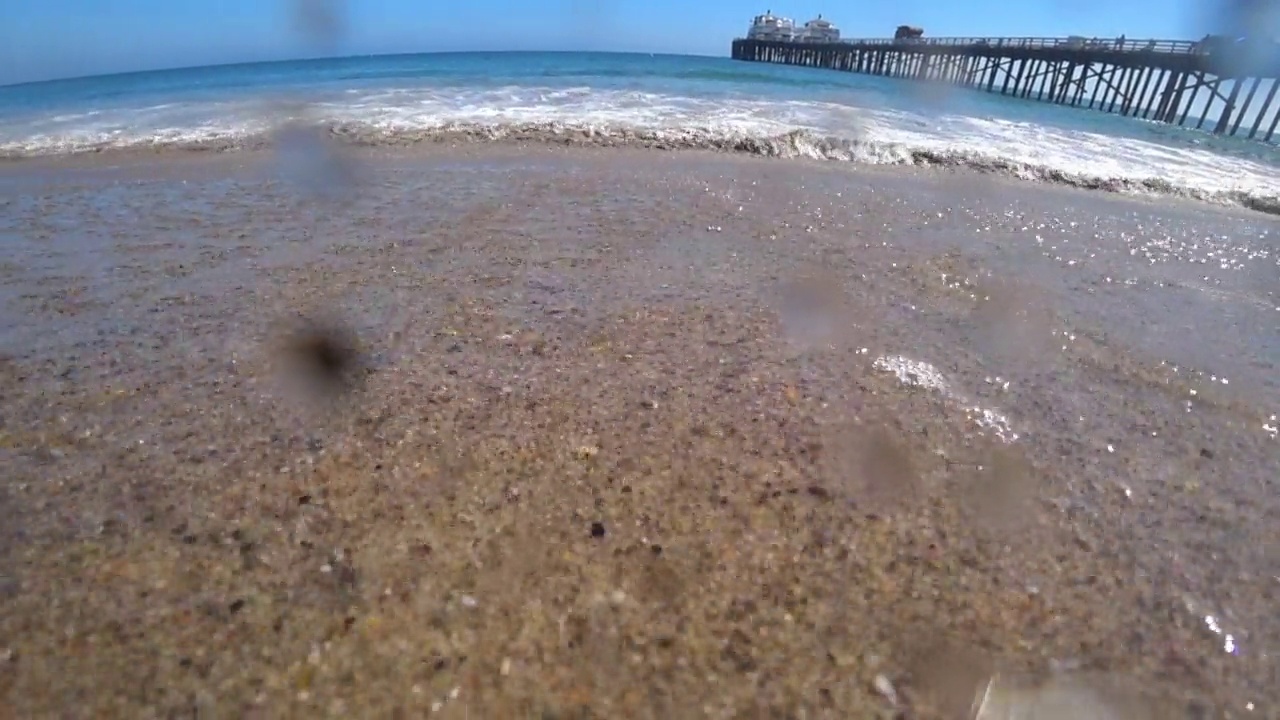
[668, 100]
[569, 385]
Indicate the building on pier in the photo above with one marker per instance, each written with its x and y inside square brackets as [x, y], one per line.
[820, 30]
[773, 28]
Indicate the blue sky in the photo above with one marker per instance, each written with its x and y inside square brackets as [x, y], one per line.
[41, 39]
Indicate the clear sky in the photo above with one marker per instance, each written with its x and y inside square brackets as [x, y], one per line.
[41, 39]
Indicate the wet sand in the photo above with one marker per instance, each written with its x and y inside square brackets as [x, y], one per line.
[638, 434]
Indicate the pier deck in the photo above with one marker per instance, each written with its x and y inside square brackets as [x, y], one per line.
[1171, 81]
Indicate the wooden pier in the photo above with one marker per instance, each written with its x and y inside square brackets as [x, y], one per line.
[1230, 86]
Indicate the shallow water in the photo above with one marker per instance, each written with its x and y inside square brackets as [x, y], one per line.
[678, 101]
[564, 337]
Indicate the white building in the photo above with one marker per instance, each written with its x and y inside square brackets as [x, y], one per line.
[771, 27]
[819, 30]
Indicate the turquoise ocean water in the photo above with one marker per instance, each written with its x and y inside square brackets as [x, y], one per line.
[671, 100]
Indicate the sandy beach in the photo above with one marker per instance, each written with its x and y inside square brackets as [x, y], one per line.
[632, 434]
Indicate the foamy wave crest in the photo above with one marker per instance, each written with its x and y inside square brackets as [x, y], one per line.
[585, 116]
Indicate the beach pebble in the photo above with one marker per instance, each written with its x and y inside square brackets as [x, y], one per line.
[886, 689]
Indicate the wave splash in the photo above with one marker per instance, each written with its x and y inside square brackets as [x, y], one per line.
[809, 145]
[1026, 153]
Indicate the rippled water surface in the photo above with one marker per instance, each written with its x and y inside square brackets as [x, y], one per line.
[741, 434]
[620, 98]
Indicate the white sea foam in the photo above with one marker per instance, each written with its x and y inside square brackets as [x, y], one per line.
[797, 128]
[916, 373]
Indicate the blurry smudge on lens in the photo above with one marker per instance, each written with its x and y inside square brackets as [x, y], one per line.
[1066, 695]
[306, 157]
[1010, 323]
[322, 357]
[311, 162]
[812, 310]
[947, 677]
[1239, 33]
[320, 21]
[998, 491]
[872, 466]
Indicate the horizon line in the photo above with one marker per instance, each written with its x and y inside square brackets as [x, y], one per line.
[313, 58]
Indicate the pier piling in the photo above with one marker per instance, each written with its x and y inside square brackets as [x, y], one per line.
[1157, 80]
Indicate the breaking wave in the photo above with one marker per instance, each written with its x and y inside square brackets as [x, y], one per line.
[587, 117]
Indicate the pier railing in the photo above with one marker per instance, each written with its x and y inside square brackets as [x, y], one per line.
[1176, 47]
[1037, 43]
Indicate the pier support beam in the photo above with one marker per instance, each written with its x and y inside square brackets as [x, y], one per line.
[1224, 120]
[1158, 79]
